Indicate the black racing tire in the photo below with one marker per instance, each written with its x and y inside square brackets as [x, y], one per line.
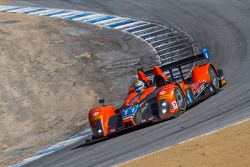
[145, 113]
[180, 99]
[214, 80]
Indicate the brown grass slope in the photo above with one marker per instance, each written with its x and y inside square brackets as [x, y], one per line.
[51, 73]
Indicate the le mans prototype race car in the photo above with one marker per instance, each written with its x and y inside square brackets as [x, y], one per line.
[163, 98]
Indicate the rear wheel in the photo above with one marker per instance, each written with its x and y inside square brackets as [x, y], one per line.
[180, 99]
[214, 80]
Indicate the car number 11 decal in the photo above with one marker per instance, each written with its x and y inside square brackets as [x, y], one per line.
[130, 111]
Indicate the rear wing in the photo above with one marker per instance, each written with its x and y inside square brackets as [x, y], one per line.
[204, 55]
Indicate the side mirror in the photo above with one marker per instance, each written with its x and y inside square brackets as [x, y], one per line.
[102, 101]
[206, 54]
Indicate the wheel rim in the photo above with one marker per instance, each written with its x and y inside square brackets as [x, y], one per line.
[145, 114]
[180, 100]
[213, 78]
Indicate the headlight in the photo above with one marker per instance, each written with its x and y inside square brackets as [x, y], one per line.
[164, 107]
[164, 111]
[99, 131]
[164, 104]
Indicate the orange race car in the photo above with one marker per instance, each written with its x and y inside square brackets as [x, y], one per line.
[164, 98]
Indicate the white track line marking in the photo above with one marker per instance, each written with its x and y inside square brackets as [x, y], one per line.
[55, 147]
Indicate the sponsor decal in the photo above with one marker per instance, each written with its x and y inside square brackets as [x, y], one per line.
[95, 114]
[172, 111]
[127, 117]
[130, 111]
[198, 88]
[174, 104]
[162, 93]
[202, 87]
[165, 88]
[189, 96]
[195, 86]
[164, 97]
[96, 118]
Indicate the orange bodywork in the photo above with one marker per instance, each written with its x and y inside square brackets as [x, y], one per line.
[131, 96]
[164, 93]
[200, 73]
[158, 72]
[144, 78]
[102, 113]
[183, 87]
[134, 97]
[145, 93]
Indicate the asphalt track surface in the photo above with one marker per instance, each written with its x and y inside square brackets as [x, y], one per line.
[221, 25]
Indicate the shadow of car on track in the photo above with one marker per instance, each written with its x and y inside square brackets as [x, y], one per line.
[120, 133]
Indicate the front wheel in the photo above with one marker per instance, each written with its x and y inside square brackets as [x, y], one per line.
[147, 113]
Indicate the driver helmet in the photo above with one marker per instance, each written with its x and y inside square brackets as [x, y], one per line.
[139, 86]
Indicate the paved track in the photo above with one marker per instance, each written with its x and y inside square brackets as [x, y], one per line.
[221, 25]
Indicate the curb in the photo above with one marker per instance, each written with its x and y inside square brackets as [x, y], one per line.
[167, 43]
